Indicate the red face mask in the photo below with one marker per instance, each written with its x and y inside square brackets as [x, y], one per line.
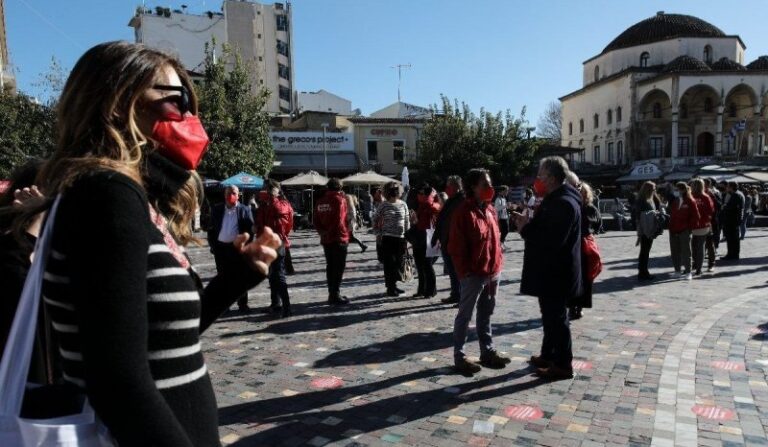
[182, 139]
[450, 190]
[539, 188]
[231, 199]
[486, 194]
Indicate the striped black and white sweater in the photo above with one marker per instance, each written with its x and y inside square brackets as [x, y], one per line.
[128, 317]
[392, 219]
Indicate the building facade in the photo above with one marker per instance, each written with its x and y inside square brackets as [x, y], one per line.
[672, 90]
[385, 145]
[323, 101]
[7, 79]
[261, 33]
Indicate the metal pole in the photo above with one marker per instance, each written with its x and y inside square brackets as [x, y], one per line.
[325, 150]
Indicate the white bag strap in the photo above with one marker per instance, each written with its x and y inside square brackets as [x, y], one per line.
[14, 366]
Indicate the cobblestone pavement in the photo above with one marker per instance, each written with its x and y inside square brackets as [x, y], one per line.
[673, 362]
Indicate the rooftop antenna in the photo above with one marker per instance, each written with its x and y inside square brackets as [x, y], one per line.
[400, 76]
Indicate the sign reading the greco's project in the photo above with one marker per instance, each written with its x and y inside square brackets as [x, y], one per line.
[311, 141]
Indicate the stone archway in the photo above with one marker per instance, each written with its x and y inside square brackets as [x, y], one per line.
[705, 144]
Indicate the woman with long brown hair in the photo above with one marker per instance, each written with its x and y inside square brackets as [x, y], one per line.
[125, 304]
[648, 207]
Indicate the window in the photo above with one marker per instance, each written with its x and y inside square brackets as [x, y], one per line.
[684, 146]
[618, 114]
[582, 156]
[657, 110]
[597, 73]
[732, 110]
[596, 155]
[644, 59]
[620, 152]
[708, 54]
[683, 111]
[570, 128]
[398, 150]
[282, 22]
[581, 143]
[285, 93]
[707, 105]
[373, 150]
[610, 153]
[258, 36]
[284, 72]
[596, 121]
[609, 117]
[282, 48]
[581, 126]
[656, 147]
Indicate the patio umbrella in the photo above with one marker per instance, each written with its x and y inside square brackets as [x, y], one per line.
[310, 179]
[367, 178]
[244, 180]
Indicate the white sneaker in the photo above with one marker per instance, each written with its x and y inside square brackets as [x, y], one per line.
[711, 269]
[688, 276]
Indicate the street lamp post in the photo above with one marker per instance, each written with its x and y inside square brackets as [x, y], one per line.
[325, 149]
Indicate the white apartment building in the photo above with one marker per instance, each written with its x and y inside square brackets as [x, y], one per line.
[7, 80]
[671, 89]
[323, 101]
[261, 33]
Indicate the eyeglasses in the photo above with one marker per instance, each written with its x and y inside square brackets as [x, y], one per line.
[182, 101]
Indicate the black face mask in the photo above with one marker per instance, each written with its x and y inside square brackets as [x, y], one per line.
[164, 178]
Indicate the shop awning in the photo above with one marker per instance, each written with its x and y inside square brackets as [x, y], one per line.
[295, 163]
[638, 178]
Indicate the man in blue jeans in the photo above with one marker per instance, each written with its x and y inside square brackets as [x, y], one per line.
[475, 249]
[455, 193]
[552, 264]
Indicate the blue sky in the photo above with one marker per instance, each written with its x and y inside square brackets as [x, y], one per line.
[497, 54]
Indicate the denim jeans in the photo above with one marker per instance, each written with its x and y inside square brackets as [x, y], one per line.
[455, 284]
[277, 284]
[480, 291]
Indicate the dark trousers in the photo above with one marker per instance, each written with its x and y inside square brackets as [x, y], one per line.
[451, 270]
[226, 257]
[289, 262]
[392, 253]
[731, 233]
[556, 346]
[645, 252]
[425, 270]
[716, 232]
[504, 229]
[353, 238]
[277, 284]
[335, 263]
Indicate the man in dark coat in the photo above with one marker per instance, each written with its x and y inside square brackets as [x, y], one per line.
[731, 216]
[552, 264]
[455, 193]
[228, 220]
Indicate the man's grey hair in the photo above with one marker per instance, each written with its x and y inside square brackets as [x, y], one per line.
[572, 179]
[556, 166]
[454, 180]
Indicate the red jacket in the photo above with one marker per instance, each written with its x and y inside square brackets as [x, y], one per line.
[683, 217]
[474, 240]
[706, 207]
[331, 218]
[276, 214]
[426, 213]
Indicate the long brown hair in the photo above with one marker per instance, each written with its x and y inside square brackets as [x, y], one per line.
[97, 124]
[648, 191]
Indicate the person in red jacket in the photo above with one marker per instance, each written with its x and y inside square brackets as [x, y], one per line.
[426, 216]
[475, 249]
[331, 223]
[277, 213]
[684, 217]
[702, 232]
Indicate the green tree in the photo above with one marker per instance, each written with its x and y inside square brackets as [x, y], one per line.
[234, 118]
[456, 140]
[26, 131]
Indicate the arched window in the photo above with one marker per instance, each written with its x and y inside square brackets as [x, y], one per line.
[570, 128]
[609, 116]
[620, 152]
[581, 125]
[708, 54]
[707, 105]
[581, 142]
[683, 111]
[618, 114]
[732, 110]
[597, 73]
[596, 121]
[644, 59]
[657, 110]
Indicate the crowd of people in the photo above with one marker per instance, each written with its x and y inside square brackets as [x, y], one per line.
[123, 308]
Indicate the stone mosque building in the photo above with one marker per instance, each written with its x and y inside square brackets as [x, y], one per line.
[670, 90]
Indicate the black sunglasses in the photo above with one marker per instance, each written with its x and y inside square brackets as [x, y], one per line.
[182, 101]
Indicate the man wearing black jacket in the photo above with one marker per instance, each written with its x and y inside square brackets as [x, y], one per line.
[552, 264]
[454, 190]
[228, 220]
[731, 217]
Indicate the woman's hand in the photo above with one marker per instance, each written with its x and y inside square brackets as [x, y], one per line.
[22, 196]
[260, 253]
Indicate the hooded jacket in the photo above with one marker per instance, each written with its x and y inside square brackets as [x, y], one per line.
[552, 259]
[277, 214]
[474, 241]
[684, 215]
[331, 218]
[706, 207]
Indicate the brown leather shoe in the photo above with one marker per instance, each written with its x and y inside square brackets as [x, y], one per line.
[467, 368]
[555, 373]
[539, 362]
